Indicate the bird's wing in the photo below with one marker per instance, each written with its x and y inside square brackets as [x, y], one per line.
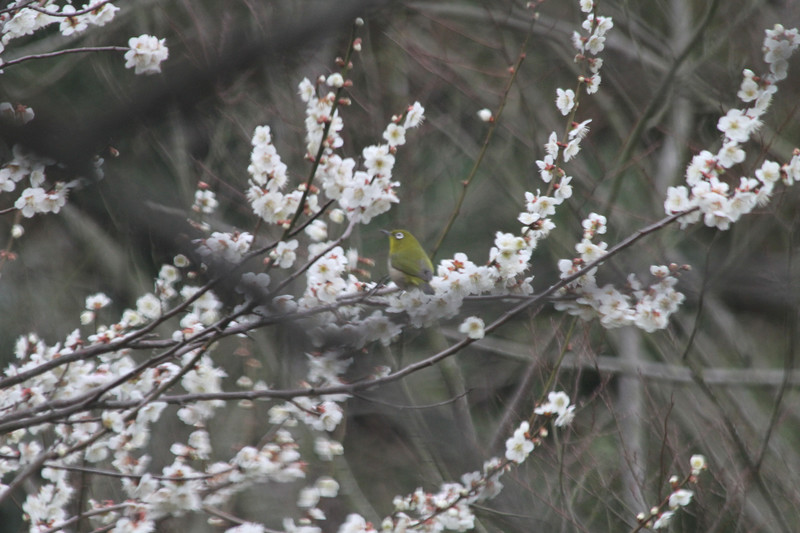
[418, 269]
[425, 271]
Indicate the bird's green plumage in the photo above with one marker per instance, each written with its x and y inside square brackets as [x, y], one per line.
[409, 265]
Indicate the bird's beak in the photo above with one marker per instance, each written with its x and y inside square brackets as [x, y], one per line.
[386, 231]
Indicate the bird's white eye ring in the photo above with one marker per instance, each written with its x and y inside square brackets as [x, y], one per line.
[398, 235]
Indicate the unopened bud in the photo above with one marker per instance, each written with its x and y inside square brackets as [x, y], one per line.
[485, 115]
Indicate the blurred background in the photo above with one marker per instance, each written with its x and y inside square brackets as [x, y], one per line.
[720, 381]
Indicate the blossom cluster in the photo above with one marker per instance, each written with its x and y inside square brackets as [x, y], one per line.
[559, 405]
[323, 414]
[365, 193]
[268, 177]
[38, 196]
[27, 18]
[446, 509]
[539, 207]
[590, 44]
[707, 194]
[181, 487]
[119, 435]
[361, 194]
[190, 482]
[229, 247]
[22, 17]
[660, 516]
[522, 442]
[647, 307]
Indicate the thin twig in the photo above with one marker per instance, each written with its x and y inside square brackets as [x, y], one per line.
[57, 53]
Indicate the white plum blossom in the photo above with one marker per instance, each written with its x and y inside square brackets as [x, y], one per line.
[149, 306]
[71, 24]
[227, 246]
[663, 520]
[769, 173]
[565, 100]
[205, 201]
[698, 463]
[552, 145]
[473, 327]
[737, 125]
[308, 497]
[31, 201]
[592, 83]
[593, 225]
[520, 445]
[327, 449]
[547, 168]
[355, 523]
[146, 54]
[97, 301]
[335, 80]
[317, 230]
[414, 116]
[285, 253]
[750, 89]
[510, 254]
[579, 130]
[680, 498]
[361, 194]
[395, 135]
[102, 15]
[730, 154]
[558, 404]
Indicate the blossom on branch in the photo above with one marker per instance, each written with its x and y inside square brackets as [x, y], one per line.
[146, 54]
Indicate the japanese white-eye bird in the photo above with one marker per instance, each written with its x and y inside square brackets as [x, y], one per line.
[409, 265]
